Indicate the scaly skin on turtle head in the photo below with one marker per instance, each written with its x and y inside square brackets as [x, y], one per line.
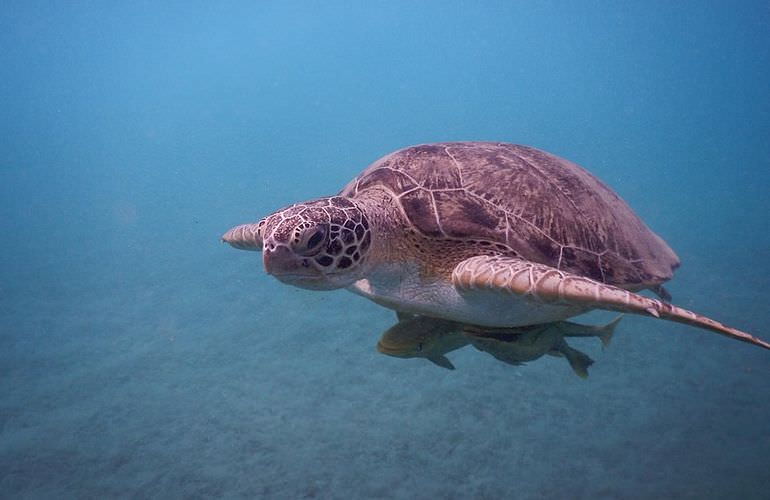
[319, 245]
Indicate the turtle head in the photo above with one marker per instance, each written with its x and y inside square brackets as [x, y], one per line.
[320, 245]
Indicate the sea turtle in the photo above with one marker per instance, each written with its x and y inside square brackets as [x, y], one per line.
[482, 233]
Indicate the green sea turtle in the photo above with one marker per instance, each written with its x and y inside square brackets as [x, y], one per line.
[490, 234]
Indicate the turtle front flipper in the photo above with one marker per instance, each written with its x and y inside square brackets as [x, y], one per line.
[245, 236]
[543, 284]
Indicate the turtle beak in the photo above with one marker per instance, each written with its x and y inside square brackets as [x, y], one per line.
[280, 261]
[289, 268]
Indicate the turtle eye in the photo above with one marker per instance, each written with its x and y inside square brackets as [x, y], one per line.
[311, 240]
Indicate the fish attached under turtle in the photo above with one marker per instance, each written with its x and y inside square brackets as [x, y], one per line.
[416, 336]
[488, 234]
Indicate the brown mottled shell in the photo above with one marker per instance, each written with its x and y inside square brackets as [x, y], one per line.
[546, 209]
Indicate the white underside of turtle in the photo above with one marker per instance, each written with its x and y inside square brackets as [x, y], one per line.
[398, 287]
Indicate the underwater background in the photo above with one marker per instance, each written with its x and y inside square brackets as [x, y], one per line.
[140, 357]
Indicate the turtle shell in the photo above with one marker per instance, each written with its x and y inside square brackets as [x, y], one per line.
[542, 207]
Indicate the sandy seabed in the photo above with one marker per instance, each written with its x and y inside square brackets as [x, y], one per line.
[172, 378]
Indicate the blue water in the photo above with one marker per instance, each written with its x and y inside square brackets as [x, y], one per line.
[140, 357]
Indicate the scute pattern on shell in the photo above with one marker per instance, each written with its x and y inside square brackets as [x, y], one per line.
[545, 208]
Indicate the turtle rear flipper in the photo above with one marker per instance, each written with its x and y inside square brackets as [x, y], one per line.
[661, 292]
